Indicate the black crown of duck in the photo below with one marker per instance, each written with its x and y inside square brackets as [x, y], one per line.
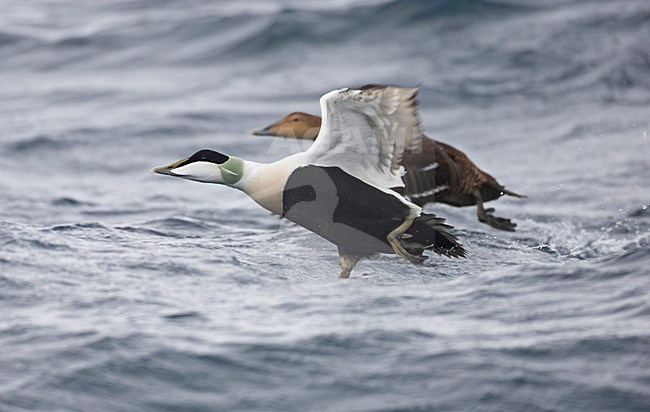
[336, 190]
[207, 155]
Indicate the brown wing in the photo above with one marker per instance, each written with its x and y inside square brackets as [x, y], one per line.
[431, 173]
[442, 173]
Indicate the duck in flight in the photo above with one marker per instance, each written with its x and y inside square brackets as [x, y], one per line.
[435, 171]
[341, 187]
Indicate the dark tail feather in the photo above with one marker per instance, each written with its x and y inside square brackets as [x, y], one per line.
[431, 233]
[509, 193]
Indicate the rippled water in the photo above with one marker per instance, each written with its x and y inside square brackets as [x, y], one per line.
[122, 290]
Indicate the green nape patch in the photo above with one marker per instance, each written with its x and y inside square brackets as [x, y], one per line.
[232, 170]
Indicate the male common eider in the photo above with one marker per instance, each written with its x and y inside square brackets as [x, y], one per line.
[340, 187]
[435, 172]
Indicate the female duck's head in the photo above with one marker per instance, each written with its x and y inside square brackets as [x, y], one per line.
[297, 125]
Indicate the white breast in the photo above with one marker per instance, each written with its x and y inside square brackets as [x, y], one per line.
[264, 183]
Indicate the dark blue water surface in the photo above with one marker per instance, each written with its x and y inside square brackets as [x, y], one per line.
[124, 290]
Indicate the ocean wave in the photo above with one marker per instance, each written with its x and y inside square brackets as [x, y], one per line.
[632, 257]
[39, 142]
[8, 39]
[178, 223]
[642, 212]
[408, 11]
[66, 201]
[78, 226]
[145, 231]
[293, 28]
[568, 56]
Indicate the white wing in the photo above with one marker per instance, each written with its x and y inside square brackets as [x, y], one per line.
[365, 132]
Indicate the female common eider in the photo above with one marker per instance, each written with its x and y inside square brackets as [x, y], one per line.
[435, 172]
[340, 188]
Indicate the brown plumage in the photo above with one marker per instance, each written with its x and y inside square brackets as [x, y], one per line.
[436, 173]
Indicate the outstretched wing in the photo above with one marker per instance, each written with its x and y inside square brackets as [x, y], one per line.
[365, 132]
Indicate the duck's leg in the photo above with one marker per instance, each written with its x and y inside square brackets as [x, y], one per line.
[347, 262]
[486, 216]
[396, 236]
